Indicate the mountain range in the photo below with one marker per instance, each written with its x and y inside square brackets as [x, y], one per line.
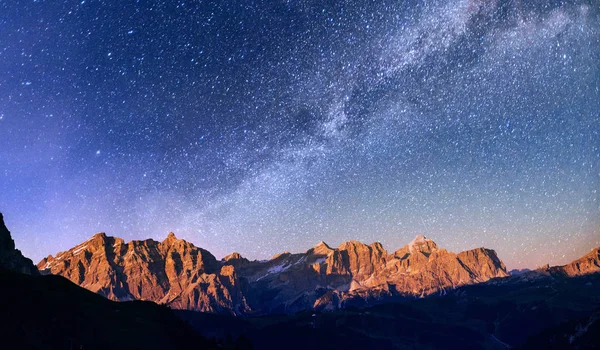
[176, 273]
[352, 296]
[180, 275]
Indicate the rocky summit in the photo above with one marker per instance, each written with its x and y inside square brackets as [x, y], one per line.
[177, 273]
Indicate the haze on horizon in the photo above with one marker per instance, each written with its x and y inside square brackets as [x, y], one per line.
[262, 127]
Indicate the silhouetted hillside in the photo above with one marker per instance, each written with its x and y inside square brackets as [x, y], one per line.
[50, 312]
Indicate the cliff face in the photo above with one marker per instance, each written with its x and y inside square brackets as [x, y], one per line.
[177, 273]
[10, 257]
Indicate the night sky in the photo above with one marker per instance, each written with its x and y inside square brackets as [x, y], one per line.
[267, 126]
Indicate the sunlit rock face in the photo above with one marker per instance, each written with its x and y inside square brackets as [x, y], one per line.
[173, 272]
[589, 263]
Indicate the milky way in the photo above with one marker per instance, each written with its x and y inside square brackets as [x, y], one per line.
[267, 126]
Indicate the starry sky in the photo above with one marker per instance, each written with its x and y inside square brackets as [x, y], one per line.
[263, 126]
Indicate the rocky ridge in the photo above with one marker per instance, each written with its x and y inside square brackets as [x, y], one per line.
[588, 263]
[177, 273]
[172, 272]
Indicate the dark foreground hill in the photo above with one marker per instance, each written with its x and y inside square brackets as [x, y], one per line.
[50, 312]
[583, 333]
[10, 257]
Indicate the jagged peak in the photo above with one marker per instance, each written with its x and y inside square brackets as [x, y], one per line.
[280, 255]
[320, 248]
[422, 244]
[594, 253]
[351, 243]
[321, 243]
[544, 268]
[101, 235]
[171, 238]
[99, 238]
[588, 263]
[420, 238]
[233, 256]
[377, 246]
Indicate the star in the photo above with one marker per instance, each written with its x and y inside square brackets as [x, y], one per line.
[264, 128]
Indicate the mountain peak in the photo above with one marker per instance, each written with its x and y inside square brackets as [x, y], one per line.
[422, 244]
[588, 263]
[320, 249]
[351, 244]
[100, 235]
[420, 239]
[171, 238]
[233, 256]
[99, 239]
[280, 255]
[377, 246]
